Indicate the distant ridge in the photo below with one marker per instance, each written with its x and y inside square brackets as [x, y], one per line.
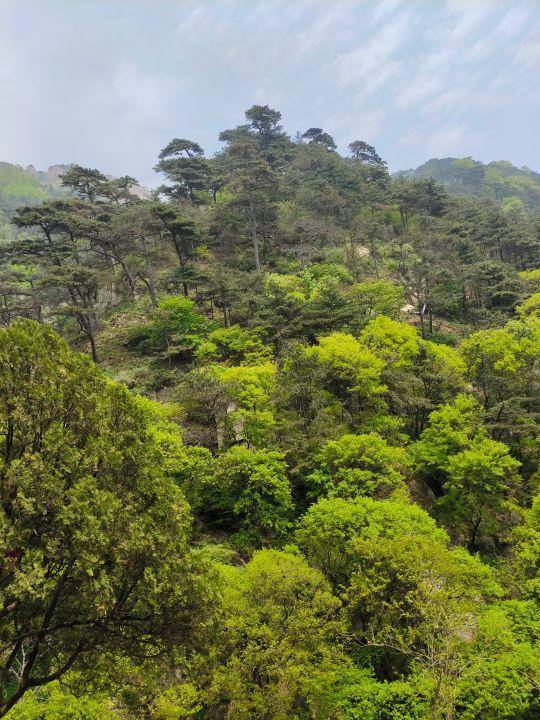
[497, 181]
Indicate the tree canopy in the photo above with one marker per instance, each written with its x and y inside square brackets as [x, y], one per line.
[269, 438]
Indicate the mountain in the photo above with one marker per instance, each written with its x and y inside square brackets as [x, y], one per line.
[304, 482]
[27, 186]
[498, 181]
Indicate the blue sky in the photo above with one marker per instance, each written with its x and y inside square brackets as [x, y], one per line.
[107, 83]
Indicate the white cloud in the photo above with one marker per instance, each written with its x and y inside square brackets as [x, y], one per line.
[114, 80]
[356, 65]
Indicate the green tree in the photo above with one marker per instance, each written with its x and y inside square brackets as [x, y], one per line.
[360, 465]
[264, 121]
[419, 374]
[252, 182]
[282, 630]
[183, 163]
[317, 136]
[502, 364]
[68, 278]
[181, 231]
[54, 703]
[523, 566]
[87, 183]
[173, 331]
[451, 429]
[326, 534]
[94, 537]
[364, 152]
[249, 493]
[481, 483]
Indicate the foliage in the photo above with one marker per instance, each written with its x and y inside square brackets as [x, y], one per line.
[173, 330]
[94, 536]
[282, 622]
[323, 502]
[359, 465]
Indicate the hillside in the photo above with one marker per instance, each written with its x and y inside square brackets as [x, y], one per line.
[497, 181]
[269, 441]
[26, 186]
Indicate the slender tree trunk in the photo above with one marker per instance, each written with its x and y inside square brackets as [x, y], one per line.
[91, 338]
[86, 326]
[151, 289]
[178, 249]
[129, 277]
[253, 228]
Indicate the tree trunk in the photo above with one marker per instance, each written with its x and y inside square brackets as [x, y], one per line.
[151, 289]
[253, 228]
[86, 327]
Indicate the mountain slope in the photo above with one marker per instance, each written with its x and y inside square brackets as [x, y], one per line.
[25, 186]
[498, 181]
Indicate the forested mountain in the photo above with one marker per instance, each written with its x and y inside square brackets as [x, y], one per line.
[497, 181]
[269, 442]
[26, 186]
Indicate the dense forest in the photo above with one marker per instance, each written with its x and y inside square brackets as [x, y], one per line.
[269, 439]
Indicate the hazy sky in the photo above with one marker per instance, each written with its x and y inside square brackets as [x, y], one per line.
[107, 83]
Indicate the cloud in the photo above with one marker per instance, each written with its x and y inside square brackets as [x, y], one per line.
[109, 82]
[359, 64]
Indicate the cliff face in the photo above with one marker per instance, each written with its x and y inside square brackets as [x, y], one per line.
[50, 177]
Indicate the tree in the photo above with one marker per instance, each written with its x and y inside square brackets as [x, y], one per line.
[249, 415]
[502, 363]
[317, 136]
[282, 631]
[365, 153]
[359, 465]
[500, 678]
[474, 478]
[182, 233]
[94, 536]
[419, 374]
[250, 492]
[412, 604]
[353, 374]
[480, 485]
[87, 183]
[450, 430]
[54, 703]
[417, 196]
[327, 532]
[67, 274]
[523, 569]
[373, 168]
[183, 163]
[118, 190]
[174, 329]
[265, 122]
[252, 181]
[411, 601]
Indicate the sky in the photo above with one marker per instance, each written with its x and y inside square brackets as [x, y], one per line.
[107, 83]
